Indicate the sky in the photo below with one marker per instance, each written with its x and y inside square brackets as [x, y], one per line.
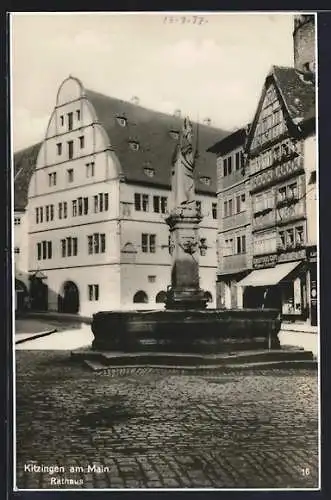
[212, 66]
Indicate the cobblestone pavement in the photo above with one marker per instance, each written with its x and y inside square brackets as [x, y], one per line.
[154, 429]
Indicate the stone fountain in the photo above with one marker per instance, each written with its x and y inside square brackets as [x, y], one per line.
[185, 332]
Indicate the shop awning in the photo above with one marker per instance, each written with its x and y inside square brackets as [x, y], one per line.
[270, 276]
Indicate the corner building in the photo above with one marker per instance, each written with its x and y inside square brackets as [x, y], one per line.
[97, 199]
[281, 160]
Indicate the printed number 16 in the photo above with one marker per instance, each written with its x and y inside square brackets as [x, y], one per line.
[305, 471]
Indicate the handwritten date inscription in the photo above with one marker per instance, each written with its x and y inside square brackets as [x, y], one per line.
[198, 20]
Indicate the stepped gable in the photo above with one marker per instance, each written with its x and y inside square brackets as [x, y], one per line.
[153, 131]
[24, 165]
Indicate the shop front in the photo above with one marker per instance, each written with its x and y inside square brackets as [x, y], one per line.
[276, 285]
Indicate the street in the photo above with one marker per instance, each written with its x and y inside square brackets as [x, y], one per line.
[152, 429]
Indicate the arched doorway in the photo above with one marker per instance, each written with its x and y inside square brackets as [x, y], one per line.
[69, 299]
[38, 292]
[21, 293]
[140, 297]
[209, 297]
[161, 297]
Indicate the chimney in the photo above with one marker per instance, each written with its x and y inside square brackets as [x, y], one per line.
[304, 43]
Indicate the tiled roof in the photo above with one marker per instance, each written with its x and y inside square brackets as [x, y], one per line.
[297, 90]
[152, 130]
[24, 164]
[230, 142]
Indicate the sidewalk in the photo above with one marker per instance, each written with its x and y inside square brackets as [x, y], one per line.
[53, 315]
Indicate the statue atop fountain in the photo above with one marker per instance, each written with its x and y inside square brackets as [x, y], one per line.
[183, 221]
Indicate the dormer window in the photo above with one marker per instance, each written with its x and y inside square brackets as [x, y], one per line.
[122, 121]
[134, 145]
[150, 172]
[206, 180]
[174, 134]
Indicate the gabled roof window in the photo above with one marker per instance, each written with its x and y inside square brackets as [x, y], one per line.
[206, 180]
[174, 134]
[149, 171]
[122, 120]
[134, 145]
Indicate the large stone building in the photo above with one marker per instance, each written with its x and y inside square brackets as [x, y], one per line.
[99, 191]
[234, 225]
[280, 174]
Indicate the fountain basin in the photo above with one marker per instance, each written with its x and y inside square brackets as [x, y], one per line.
[186, 331]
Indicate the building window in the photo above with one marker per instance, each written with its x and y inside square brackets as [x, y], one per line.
[141, 202]
[140, 297]
[70, 121]
[151, 279]
[290, 238]
[78, 114]
[59, 148]
[69, 247]
[214, 210]
[81, 141]
[228, 247]
[70, 174]
[60, 210]
[227, 166]
[230, 207]
[240, 203]
[148, 243]
[17, 221]
[85, 201]
[70, 149]
[101, 202]
[241, 244]
[49, 212]
[282, 240]
[96, 243]
[312, 178]
[160, 204]
[90, 169]
[198, 206]
[299, 235]
[238, 161]
[65, 209]
[93, 292]
[52, 179]
[62, 120]
[44, 250]
[16, 250]
[74, 208]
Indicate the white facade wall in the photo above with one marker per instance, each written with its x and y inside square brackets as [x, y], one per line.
[119, 274]
[136, 267]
